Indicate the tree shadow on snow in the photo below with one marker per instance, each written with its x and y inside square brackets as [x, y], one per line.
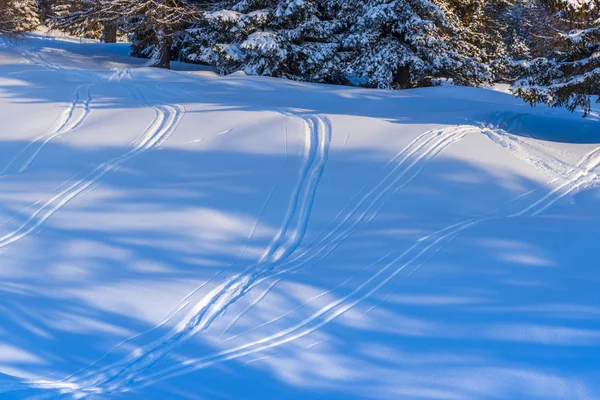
[484, 304]
[506, 308]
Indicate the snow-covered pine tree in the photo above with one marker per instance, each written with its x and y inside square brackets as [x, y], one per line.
[6, 20]
[569, 74]
[410, 43]
[45, 7]
[152, 25]
[520, 26]
[383, 43]
[28, 15]
[18, 16]
[299, 42]
[74, 17]
[498, 30]
[295, 39]
[158, 20]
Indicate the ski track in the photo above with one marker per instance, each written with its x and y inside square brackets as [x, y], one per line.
[70, 119]
[288, 312]
[584, 177]
[257, 300]
[422, 250]
[165, 320]
[164, 124]
[413, 158]
[575, 178]
[416, 256]
[419, 152]
[369, 206]
[218, 300]
[120, 74]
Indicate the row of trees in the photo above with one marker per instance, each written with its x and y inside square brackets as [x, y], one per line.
[549, 49]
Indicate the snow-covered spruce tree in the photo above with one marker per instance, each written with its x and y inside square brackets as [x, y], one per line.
[6, 21]
[143, 43]
[569, 74]
[163, 19]
[74, 17]
[296, 39]
[45, 7]
[499, 30]
[18, 16]
[382, 43]
[27, 15]
[520, 26]
[410, 43]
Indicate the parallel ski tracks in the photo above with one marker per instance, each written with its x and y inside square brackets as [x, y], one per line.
[218, 300]
[583, 176]
[163, 125]
[282, 256]
[403, 169]
[389, 267]
[70, 119]
[574, 178]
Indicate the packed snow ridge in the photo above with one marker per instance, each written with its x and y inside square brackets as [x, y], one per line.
[182, 235]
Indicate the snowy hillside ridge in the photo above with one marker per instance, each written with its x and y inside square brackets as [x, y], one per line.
[183, 235]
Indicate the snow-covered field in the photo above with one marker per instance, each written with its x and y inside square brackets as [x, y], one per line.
[180, 235]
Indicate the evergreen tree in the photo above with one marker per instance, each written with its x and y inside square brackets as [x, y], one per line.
[18, 16]
[409, 43]
[569, 73]
[285, 38]
[28, 15]
[382, 43]
[376, 43]
[74, 17]
[158, 20]
[498, 31]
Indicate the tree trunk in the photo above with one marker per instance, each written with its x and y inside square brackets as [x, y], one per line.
[402, 77]
[110, 33]
[162, 56]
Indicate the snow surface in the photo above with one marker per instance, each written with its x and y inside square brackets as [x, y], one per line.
[180, 235]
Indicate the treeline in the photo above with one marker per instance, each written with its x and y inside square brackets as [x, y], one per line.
[549, 50]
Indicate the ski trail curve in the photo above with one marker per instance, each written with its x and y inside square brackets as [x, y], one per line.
[421, 150]
[415, 256]
[217, 301]
[423, 249]
[70, 119]
[318, 319]
[574, 178]
[584, 177]
[163, 125]
[543, 162]
[405, 167]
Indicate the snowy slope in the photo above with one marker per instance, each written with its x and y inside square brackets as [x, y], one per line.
[180, 235]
